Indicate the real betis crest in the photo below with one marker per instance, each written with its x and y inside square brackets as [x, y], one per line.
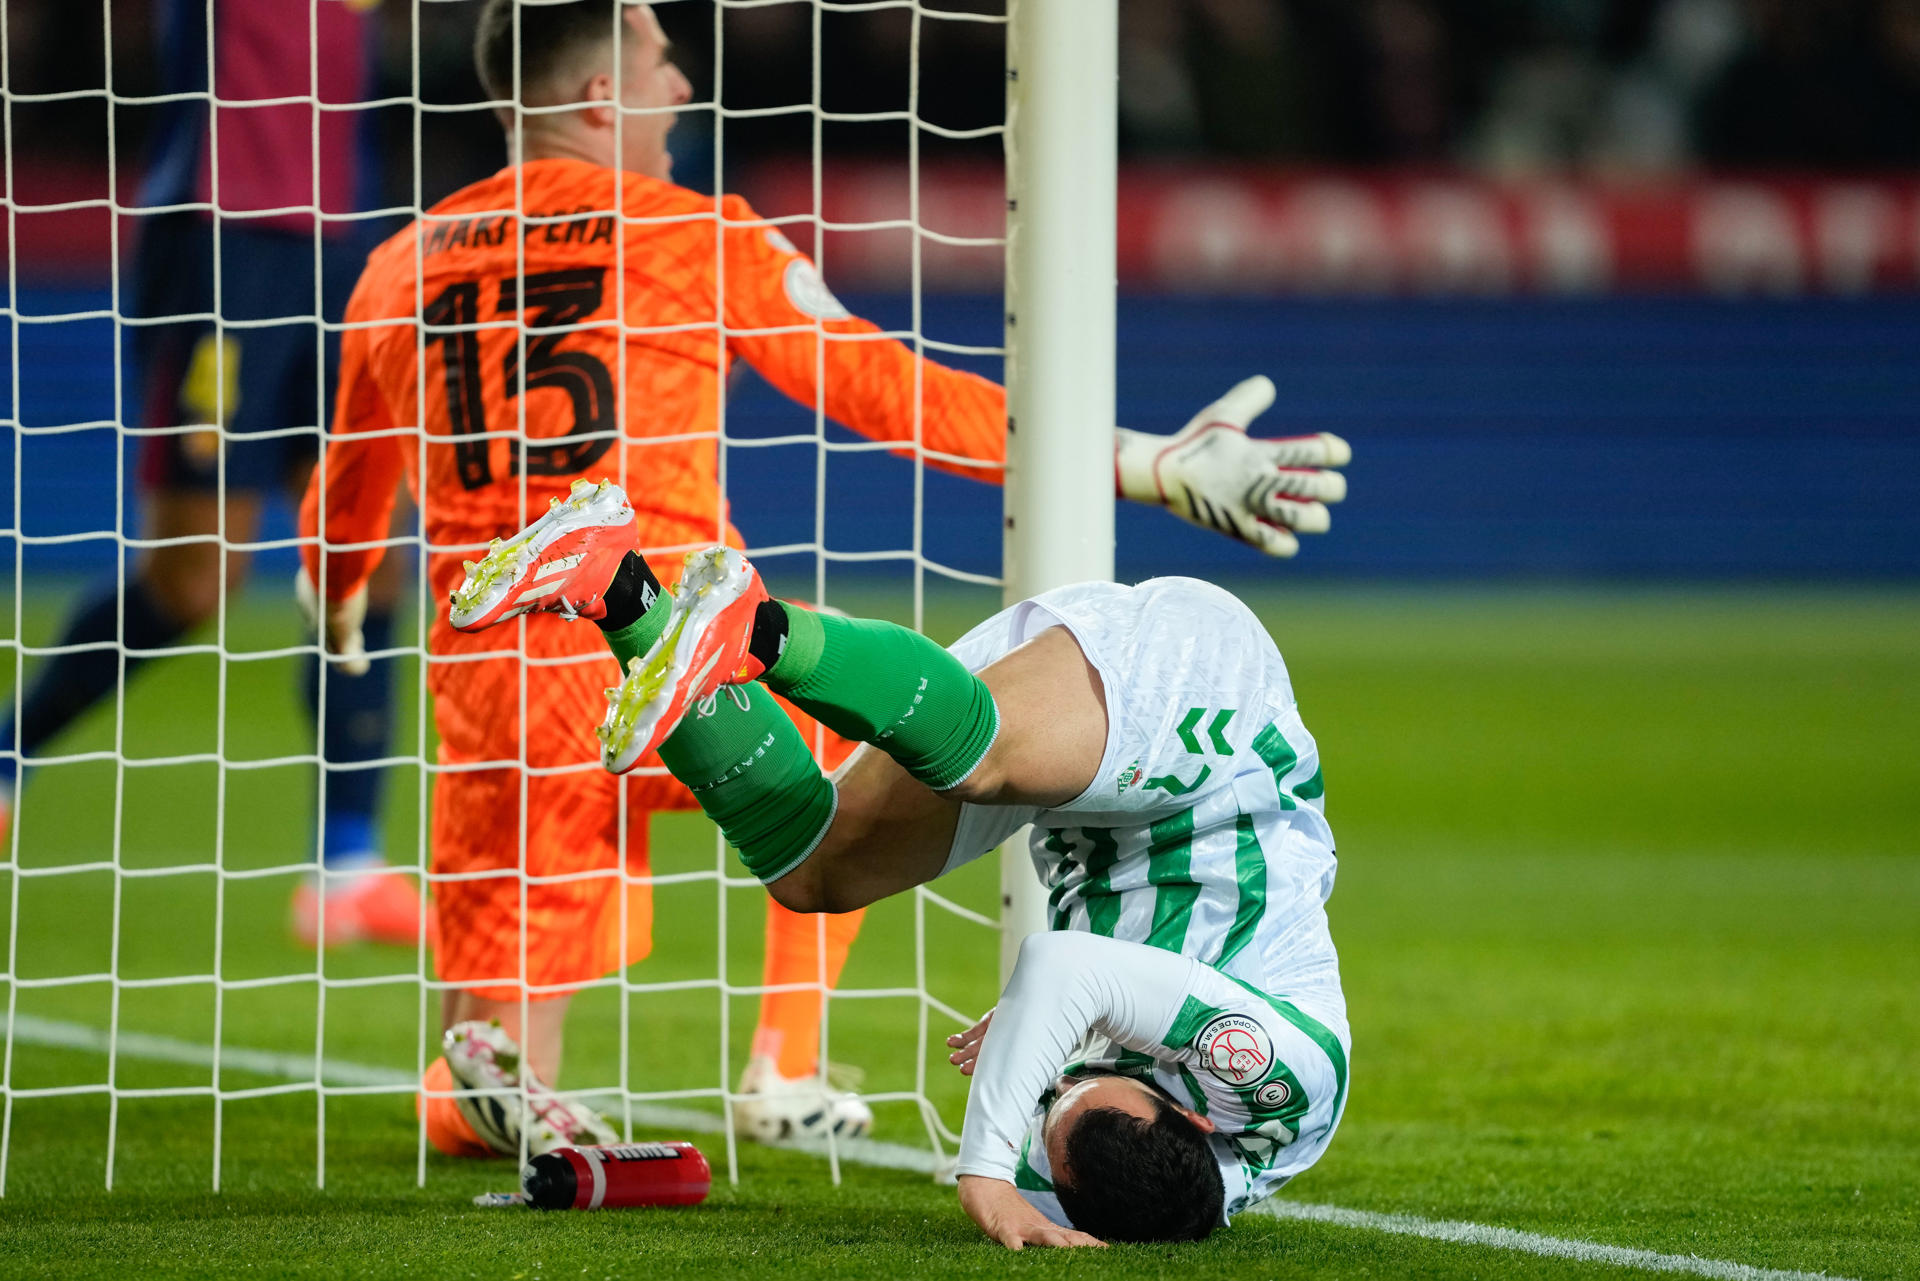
[1128, 777]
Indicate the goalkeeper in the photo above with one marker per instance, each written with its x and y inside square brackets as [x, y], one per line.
[1150, 736]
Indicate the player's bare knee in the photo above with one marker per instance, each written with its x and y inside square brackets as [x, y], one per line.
[813, 888]
[793, 894]
[983, 786]
[800, 890]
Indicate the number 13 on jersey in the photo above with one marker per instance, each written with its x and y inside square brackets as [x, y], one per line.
[555, 300]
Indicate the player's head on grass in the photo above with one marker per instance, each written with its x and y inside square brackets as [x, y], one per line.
[1130, 1164]
[609, 56]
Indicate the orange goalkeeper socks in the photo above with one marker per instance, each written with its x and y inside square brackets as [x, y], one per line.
[447, 1130]
[789, 1030]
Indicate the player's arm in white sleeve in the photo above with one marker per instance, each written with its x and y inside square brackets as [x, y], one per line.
[1064, 984]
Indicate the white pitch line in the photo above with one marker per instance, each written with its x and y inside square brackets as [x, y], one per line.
[1532, 1243]
[30, 1030]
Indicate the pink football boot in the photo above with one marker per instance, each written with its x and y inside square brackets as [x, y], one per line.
[379, 906]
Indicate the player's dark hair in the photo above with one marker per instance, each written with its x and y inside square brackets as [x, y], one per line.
[1141, 1180]
[551, 35]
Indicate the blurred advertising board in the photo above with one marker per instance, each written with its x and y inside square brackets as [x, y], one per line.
[1253, 231]
[1256, 231]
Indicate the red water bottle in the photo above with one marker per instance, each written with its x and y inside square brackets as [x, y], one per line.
[620, 1174]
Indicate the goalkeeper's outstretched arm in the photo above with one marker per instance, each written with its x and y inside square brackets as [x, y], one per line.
[1262, 492]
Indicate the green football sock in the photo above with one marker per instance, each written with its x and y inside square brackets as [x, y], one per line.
[636, 638]
[744, 761]
[747, 765]
[637, 607]
[889, 686]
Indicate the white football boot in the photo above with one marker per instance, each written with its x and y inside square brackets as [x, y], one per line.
[770, 1108]
[485, 1060]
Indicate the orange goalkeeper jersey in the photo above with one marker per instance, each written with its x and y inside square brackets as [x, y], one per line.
[629, 324]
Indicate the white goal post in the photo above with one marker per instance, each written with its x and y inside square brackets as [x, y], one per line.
[1062, 78]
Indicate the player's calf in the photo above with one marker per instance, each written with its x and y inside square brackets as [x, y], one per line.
[867, 680]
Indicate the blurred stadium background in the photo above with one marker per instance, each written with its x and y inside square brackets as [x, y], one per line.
[1607, 287]
[1614, 651]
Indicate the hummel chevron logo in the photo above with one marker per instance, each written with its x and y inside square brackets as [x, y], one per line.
[1216, 730]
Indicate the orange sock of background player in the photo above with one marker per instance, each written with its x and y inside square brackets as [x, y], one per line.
[447, 1130]
[789, 1030]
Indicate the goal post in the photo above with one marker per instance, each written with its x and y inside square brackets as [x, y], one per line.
[1062, 60]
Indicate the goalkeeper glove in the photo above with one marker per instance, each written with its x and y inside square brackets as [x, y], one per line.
[1213, 474]
[341, 638]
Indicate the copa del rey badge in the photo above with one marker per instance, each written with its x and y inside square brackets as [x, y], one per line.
[1236, 1049]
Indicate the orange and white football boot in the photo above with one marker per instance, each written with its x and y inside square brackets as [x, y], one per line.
[703, 647]
[561, 563]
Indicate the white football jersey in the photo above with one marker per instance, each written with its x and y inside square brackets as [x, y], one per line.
[1202, 834]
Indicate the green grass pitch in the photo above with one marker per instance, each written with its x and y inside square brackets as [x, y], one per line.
[1629, 915]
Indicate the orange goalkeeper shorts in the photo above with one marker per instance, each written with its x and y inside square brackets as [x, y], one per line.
[580, 916]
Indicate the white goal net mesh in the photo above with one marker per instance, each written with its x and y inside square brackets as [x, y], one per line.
[156, 836]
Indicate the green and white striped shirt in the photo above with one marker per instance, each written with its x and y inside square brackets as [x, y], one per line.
[1203, 834]
[1270, 1073]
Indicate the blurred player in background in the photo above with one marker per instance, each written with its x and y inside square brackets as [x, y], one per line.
[628, 384]
[260, 378]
